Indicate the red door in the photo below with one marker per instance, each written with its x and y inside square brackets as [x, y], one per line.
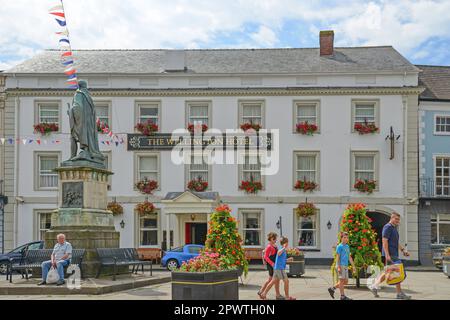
[187, 232]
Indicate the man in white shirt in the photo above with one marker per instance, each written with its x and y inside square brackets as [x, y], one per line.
[62, 252]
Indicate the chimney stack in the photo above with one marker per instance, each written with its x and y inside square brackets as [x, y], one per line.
[326, 43]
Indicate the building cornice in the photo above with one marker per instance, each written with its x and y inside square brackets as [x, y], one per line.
[208, 92]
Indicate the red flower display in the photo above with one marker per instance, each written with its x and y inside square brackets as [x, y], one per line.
[305, 185]
[250, 186]
[191, 127]
[146, 186]
[305, 209]
[247, 126]
[306, 128]
[147, 128]
[145, 207]
[102, 127]
[46, 128]
[366, 127]
[366, 186]
[198, 185]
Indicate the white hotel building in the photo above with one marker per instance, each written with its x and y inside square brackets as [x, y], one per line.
[223, 88]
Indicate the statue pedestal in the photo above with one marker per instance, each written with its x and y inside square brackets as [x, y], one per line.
[82, 214]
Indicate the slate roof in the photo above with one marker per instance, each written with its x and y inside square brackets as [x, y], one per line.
[225, 61]
[436, 80]
[201, 195]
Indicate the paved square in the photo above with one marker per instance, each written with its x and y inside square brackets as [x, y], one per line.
[312, 286]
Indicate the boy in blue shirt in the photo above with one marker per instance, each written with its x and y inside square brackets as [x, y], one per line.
[342, 258]
[279, 272]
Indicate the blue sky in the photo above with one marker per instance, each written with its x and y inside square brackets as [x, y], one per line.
[417, 29]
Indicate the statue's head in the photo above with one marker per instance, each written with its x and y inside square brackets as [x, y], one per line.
[82, 84]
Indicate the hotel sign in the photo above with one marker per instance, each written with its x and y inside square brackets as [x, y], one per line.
[167, 141]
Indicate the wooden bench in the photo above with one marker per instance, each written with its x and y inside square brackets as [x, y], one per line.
[253, 253]
[34, 259]
[119, 257]
[153, 254]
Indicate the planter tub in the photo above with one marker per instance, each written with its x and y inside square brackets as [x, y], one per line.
[296, 267]
[446, 265]
[222, 285]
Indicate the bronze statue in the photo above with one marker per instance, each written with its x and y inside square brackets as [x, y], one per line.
[83, 130]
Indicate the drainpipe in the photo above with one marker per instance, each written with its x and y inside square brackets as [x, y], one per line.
[16, 170]
[405, 161]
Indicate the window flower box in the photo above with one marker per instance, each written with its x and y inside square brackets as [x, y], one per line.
[191, 127]
[147, 128]
[102, 127]
[305, 185]
[198, 185]
[146, 186]
[305, 209]
[250, 186]
[46, 128]
[366, 127]
[306, 129]
[365, 186]
[247, 126]
[145, 207]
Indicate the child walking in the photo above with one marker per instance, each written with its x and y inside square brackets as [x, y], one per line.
[342, 258]
[279, 272]
[269, 257]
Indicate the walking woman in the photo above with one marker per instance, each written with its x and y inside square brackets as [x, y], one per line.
[269, 256]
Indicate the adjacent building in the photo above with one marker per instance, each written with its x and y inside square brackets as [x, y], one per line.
[434, 144]
[333, 88]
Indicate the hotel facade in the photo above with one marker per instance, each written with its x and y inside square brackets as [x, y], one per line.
[276, 88]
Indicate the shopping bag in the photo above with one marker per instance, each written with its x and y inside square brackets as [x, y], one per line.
[52, 276]
[395, 273]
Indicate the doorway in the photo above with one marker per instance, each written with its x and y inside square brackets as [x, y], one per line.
[378, 221]
[195, 232]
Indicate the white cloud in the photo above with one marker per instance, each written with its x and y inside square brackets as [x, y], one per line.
[264, 37]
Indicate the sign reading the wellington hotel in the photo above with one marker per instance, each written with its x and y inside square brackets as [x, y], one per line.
[167, 141]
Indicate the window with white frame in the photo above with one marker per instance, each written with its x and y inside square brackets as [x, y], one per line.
[442, 124]
[198, 168]
[306, 230]
[442, 166]
[148, 166]
[48, 113]
[365, 111]
[364, 166]
[44, 223]
[47, 177]
[102, 113]
[306, 112]
[252, 112]
[148, 229]
[148, 111]
[107, 162]
[440, 228]
[251, 227]
[306, 166]
[251, 168]
[198, 113]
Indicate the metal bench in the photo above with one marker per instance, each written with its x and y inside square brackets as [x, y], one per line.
[34, 259]
[118, 257]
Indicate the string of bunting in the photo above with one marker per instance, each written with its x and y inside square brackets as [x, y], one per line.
[114, 141]
[65, 47]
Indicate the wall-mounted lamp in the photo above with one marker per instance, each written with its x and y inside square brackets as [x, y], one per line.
[122, 224]
[329, 225]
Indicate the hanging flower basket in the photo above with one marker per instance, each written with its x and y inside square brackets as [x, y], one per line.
[366, 127]
[102, 127]
[305, 185]
[365, 186]
[115, 208]
[191, 127]
[198, 185]
[46, 128]
[146, 186]
[145, 207]
[250, 186]
[306, 209]
[247, 126]
[147, 128]
[306, 128]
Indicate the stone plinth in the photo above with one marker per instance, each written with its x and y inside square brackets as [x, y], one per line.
[82, 214]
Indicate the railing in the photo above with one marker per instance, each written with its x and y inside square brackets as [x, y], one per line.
[430, 188]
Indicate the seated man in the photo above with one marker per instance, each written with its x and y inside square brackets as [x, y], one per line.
[62, 252]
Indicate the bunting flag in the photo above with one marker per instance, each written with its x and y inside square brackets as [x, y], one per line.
[67, 61]
[114, 140]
